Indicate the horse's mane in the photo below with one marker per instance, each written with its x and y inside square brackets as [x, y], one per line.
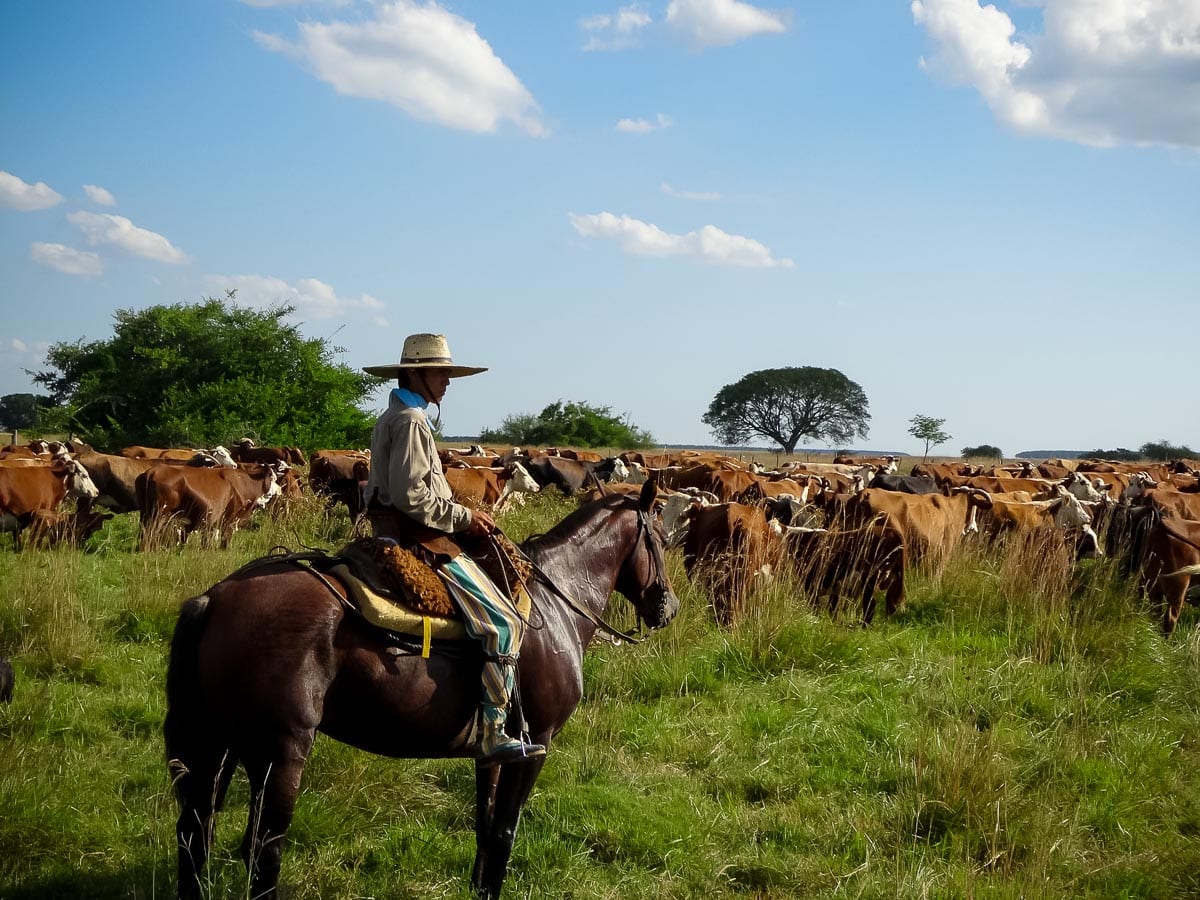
[569, 523]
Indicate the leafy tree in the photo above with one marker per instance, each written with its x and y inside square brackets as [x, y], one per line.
[19, 411]
[983, 451]
[207, 373]
[929, 430]
[1164, 450]
[569, 425]
[784, 405]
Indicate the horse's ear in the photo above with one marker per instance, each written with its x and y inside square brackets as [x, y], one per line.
[648, 495]
[599, 484]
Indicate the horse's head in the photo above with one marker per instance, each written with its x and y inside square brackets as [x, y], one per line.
[643, 576]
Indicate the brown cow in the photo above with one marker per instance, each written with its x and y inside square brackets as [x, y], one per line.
[932, 524]
[1065, 513]
[1172, 561]
[244, 451]
[719, 478]
[730, 547]
[861, 561]
[727, 484]
[334, 475]
[473, 486]
[115, 476]
[218, 500]
[139, 452]
[1171, 503]
[24, 491]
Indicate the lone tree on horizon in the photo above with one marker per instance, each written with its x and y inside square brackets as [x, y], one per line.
[929, 430]
[784, 405]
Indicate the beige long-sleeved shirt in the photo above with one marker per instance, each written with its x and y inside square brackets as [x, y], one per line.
[406, 472]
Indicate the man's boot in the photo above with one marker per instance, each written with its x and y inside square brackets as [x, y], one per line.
[496, 746]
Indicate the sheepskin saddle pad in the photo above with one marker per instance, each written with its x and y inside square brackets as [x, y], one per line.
[394, 589]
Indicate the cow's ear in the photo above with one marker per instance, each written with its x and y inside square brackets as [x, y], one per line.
[649, 492]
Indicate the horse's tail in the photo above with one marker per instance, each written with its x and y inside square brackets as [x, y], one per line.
[184, 729]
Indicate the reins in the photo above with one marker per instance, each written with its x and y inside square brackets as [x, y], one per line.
[611, 630]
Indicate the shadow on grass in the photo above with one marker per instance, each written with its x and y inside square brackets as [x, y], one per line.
[144, 882]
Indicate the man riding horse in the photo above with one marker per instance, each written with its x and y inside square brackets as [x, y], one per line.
[410, 502]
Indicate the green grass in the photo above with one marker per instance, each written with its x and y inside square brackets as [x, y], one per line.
[1021, 730]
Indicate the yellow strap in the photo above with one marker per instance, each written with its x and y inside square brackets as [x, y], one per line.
[427, 629]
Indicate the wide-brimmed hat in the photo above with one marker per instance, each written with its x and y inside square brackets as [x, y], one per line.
[425, 351]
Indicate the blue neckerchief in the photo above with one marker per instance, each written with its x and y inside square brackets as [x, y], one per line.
[410, 398]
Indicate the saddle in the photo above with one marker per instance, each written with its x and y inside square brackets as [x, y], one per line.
[395, 589]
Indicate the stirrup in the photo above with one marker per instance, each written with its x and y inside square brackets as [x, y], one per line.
[507, 749]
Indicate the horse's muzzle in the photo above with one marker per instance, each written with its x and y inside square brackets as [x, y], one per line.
[668, 606]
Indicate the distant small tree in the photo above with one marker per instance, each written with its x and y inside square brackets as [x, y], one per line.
[983, 451]
[929, 430]
[569, 425]
[1161, 451]
[20, 411]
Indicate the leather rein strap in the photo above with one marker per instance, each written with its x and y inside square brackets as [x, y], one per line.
[612, 631]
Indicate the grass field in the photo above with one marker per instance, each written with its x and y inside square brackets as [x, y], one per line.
[1016, 732]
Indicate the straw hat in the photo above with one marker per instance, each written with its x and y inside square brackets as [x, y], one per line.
[425, 351]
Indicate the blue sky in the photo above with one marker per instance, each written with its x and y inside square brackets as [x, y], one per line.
[986, 214]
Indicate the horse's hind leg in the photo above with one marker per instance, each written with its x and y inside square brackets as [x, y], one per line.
[274, 787]
[200, 787]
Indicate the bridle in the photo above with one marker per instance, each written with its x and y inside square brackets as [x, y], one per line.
[655, 551]
[644, 530]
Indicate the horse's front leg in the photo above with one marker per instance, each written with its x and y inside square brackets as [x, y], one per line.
[486, 777]
[516, 781]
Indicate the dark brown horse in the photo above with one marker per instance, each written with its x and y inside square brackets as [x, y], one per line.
[269, 657]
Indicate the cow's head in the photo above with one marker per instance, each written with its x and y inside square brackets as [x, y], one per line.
[676, 517]
[222, 457]
[1072, 515]
[1082, 489]
[78, 482]
[520, 481]
[1138, 485]
[620, 471]
[271, 487]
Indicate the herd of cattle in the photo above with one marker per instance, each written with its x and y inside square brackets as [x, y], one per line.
[847, 529]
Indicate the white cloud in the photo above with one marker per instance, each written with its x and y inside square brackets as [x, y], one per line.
[689, 195]
[310, 296]
[16, 194]
[65, 259]
[643, 126]
[420, 58]
[615, 31]
[710, 244]
[18, 354]
[718, 23]
[118, 231]
[99, 195]
[1101, 72]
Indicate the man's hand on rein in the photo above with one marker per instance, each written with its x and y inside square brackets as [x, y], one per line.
[482, 524]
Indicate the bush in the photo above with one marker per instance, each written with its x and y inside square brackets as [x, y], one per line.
[983, 451]
[570, 425]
